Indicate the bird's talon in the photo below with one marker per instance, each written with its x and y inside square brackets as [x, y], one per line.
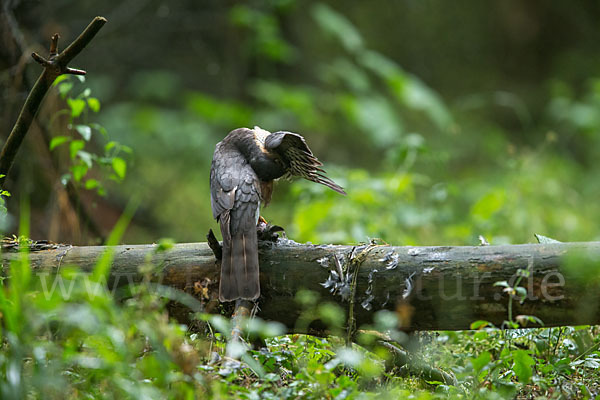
[266, 231]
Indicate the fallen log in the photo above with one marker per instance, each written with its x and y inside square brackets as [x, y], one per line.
[430, 288]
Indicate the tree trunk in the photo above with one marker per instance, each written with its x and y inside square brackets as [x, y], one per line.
[430, 288]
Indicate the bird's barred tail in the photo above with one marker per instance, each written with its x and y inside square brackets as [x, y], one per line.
[239, 268]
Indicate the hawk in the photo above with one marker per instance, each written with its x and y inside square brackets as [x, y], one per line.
[244, 166]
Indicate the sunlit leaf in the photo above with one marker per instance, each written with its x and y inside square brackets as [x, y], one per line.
[119, 166]
[110, 145]
[86, 92]
[75, 146]
[164, 244]
[93, 104]
[64, 88]
[79, 171]
[480, 325]
[85, 131]
[57, 141]
[59, 79]
[85, 157]
[91, 184]
[77, 106]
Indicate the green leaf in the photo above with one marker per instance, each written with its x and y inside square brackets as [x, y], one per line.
[94, 104]
[524, 319]
[99, 128]
[544, 239]
[85, 131]
[79, 171]
[502, 283]
[77, 106]
[57, 141]
[110, 145]
[59, 79]
[126, 149]
[522, 366]
[65, 88]
[480, 324]
[85, 157]
[119, 166]
[480, 362]
[521, 293]
[75, 146]
[86, 93]
[164, 244]
[91, 184]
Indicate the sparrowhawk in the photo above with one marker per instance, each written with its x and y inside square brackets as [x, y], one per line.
[244, 165]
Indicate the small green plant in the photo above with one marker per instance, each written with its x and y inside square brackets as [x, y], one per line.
[79, 136]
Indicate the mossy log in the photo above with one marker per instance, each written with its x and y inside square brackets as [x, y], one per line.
[430, 288]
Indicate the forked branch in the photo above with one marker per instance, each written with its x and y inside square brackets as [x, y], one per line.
[55, 65]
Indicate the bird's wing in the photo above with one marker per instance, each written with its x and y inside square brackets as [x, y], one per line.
[299, 158]
[233, 186]
[222, 181]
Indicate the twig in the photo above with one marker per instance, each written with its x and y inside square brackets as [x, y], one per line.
[54, 66]
[214, 245]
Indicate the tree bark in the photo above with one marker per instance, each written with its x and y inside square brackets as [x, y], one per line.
[429, 288]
